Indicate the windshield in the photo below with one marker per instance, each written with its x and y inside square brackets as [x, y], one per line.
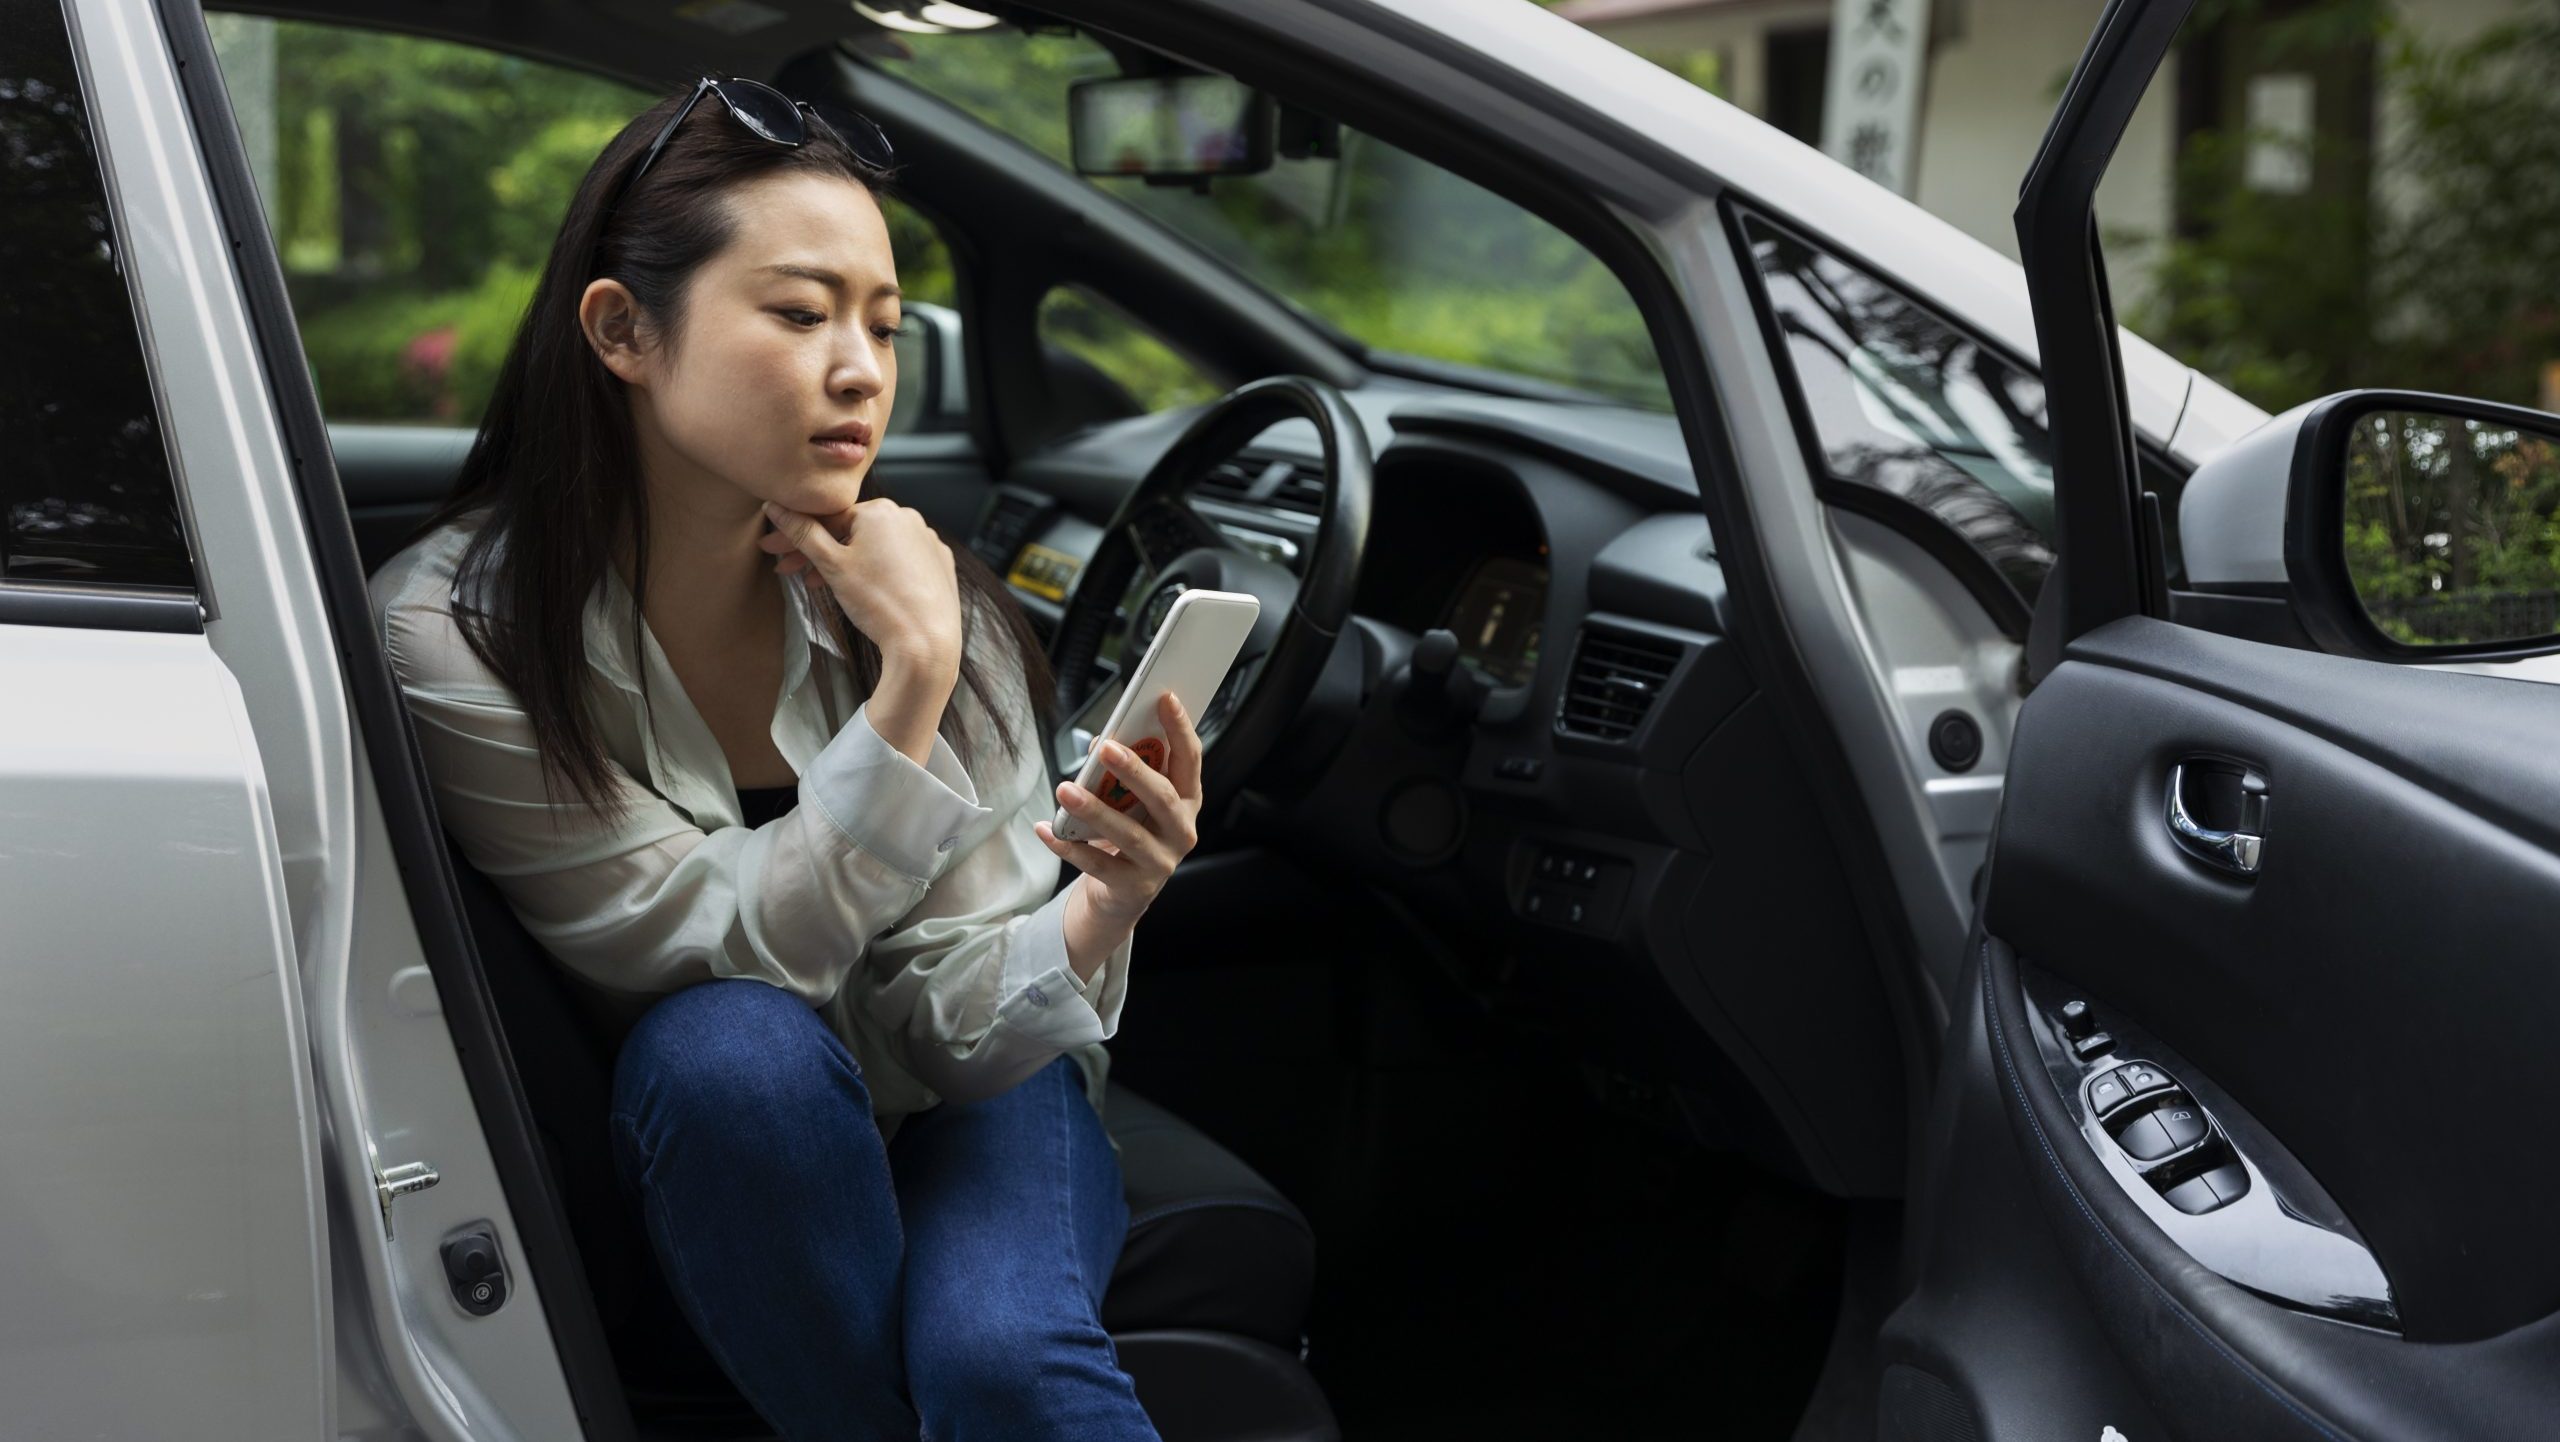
[1385, 248]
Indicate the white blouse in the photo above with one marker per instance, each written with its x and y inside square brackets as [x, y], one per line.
[919, 920]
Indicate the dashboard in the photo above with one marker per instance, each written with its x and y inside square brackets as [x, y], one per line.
[1579, 795]
[1497, 617]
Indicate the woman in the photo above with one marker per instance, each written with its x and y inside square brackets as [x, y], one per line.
[697, 708]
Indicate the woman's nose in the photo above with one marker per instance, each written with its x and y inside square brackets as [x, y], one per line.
[856, 372]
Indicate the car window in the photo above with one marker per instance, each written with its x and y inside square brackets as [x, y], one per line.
[1136, 359]
[88, 495]
[1901, 401]
[414, 187]
[1384, 247]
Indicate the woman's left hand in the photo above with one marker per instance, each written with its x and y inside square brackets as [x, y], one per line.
[1131, 854]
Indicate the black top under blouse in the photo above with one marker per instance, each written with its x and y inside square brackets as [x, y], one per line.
[760, 804]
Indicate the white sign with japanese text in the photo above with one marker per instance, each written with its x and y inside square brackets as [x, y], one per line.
[1871, 99]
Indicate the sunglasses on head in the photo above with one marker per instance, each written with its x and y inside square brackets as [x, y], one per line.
[770, 114]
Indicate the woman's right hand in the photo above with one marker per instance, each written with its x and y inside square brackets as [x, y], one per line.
[895, 580]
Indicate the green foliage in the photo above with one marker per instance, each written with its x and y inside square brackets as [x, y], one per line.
[2287, 297]
[2453, 528]
[1381, 245]
[404, 355]
[418, 186]
[1153, 373]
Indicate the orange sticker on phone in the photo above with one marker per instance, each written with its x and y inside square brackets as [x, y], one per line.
[1119, 797]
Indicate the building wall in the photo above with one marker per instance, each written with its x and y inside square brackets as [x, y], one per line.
[1996, 72]
[1995, 76]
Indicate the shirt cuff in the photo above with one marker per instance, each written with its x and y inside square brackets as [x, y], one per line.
[1041, 995]
[907, 815]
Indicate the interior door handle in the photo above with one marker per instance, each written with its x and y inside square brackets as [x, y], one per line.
[2238, 850]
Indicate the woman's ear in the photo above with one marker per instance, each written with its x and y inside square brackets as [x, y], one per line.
[610, 317]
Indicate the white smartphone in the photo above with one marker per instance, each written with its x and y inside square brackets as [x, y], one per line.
[1189, 657]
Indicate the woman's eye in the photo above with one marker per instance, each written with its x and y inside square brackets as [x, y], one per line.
[892, 333]
[804, 317]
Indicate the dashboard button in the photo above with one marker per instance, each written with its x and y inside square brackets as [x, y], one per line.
[2145, 1140]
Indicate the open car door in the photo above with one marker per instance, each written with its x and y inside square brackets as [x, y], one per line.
[2242, 1127]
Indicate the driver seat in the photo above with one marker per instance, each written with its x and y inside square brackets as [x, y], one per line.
[1204, 1306]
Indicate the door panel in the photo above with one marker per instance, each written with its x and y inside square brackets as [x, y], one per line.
[159, 1172]
[2382, 994]
[393, 476]
[2364, 1021]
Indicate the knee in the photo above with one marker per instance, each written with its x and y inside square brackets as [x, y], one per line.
[733, 1051]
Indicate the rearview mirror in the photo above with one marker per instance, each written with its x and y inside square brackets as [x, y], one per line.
[1169, 127]
[2413, 526]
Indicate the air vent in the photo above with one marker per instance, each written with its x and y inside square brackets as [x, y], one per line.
[1265, 482]
[1301, 490]
[1229, 481]
[1613, 681]
[1008, 524]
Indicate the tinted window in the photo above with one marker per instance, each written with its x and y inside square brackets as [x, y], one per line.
[1904, 402]
[86, 493]
[414, 187]
[1153, 374]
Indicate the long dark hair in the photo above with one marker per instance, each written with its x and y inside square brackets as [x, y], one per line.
[558, 466]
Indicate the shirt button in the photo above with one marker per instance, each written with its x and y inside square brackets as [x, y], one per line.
[1038, 997]
[946, 843]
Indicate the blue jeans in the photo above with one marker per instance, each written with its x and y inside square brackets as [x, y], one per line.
[947, 1283]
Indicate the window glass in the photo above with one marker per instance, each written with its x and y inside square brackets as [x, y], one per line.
[87, 494]
[1103, 336]
[414, 187]
[1904, 402]
[1381, 246]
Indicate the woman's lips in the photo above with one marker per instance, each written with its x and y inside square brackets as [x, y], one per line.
[843, 448]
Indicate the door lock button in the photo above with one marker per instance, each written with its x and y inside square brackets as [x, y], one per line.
[2125, 1085]
[2107, 1093]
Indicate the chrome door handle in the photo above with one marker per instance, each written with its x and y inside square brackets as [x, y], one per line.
[2238, 850]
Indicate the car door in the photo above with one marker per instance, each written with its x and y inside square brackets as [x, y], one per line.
[2238, 1129]
[164, 1252]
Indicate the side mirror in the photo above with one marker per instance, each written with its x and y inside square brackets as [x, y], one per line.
[933, 384]
[2401, 525]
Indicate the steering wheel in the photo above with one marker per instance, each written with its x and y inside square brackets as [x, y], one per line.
[1155, 538]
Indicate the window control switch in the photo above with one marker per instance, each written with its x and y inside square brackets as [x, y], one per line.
[2194, 1196]
[2145, 1140]
[2183, 1121]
